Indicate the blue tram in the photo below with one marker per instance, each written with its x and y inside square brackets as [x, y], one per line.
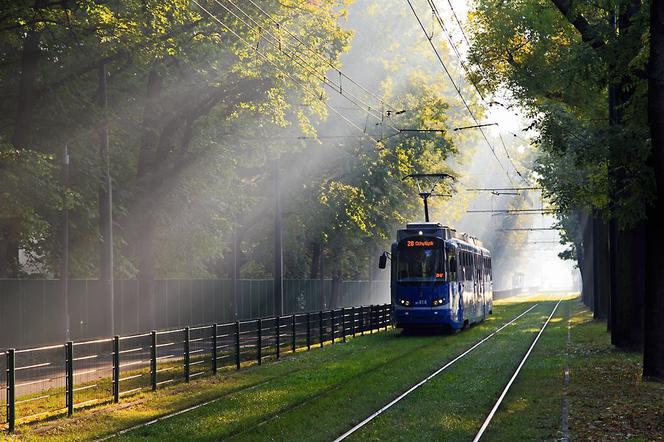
[439, 278]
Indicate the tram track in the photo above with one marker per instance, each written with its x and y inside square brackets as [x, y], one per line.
[244, 431]
[500, 399]
[512, 373]
[338, 386]
[428, 378]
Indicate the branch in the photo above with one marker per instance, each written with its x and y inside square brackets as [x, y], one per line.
[588, 34]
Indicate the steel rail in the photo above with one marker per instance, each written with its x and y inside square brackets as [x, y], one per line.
[488, 419]
[427, 379]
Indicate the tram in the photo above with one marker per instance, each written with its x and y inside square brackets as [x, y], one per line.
[439, 278]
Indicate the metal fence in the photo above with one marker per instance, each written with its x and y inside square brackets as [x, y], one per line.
[32, 312]
[56, 380]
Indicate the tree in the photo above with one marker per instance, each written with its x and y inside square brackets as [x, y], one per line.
[566, 61]
[653, 354]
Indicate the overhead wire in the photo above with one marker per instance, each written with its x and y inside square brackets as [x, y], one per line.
[280, 46]
[325, 59]
[448, 34]
[449, 2]
[457, 53]
[458, 90]
[266, 58]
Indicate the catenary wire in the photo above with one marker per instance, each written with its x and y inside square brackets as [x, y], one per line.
[317, 54]
[436, 13]
[307, 88]
[458, 90]
[304, 63]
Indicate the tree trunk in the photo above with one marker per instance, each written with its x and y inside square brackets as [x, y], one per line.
[626, 314]
[335, 296]
[585, 260]
[626, 259]
[653, 347]
[315, 260]
[21, 139]
[601, 267]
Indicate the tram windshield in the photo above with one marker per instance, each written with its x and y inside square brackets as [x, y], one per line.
[421, 260]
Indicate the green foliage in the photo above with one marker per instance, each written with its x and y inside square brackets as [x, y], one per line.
[192, 116]
[28, 196]
[563, 78]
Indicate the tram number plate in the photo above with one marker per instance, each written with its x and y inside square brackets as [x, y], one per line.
[421, 302]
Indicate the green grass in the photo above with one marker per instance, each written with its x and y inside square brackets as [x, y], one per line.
[323, 369]
[320, 394]
[532, 408]
[145, 406]
[608, 398]
[453, 405]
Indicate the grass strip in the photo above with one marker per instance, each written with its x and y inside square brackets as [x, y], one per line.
[403, 421]
[96, 422]
[608, 399]
[532, 408]
[222, 419]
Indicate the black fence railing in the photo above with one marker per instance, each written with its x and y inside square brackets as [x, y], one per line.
[33, 312]
[57, 380]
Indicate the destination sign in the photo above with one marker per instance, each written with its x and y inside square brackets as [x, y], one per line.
[419, 243]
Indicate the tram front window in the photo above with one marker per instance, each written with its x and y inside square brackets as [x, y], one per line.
[421, 261]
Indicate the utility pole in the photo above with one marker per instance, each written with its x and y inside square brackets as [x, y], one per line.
[321, 275]
[235, 269]
[106, 198]
[65, 241]
[278, 247]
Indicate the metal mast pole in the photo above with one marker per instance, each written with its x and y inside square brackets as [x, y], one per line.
[65, 241]
[235, 270]
[106, 198]
[278, 247]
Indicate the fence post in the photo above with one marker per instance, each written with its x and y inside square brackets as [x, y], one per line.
[352, 320]
[69, 368]
[259, 347]
[388, 315]
[187, 354]
[278, 335]
[11, 389]
[320, 327]
[332, 324]
[343, 324]
[293, 333]
[308, 330]
[237, 345]
[372, 318]
[153, 359]
[116, 369]
[214, 348]
[362, 320]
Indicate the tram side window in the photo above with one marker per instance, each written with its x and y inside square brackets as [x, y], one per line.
[452, 264]
[466, 266]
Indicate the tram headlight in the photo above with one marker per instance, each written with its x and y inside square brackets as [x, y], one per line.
[404, 302]
[437, 302]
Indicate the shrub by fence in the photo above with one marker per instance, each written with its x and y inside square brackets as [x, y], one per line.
[59, 379]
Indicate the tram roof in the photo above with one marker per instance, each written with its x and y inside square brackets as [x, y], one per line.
[437, 229]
